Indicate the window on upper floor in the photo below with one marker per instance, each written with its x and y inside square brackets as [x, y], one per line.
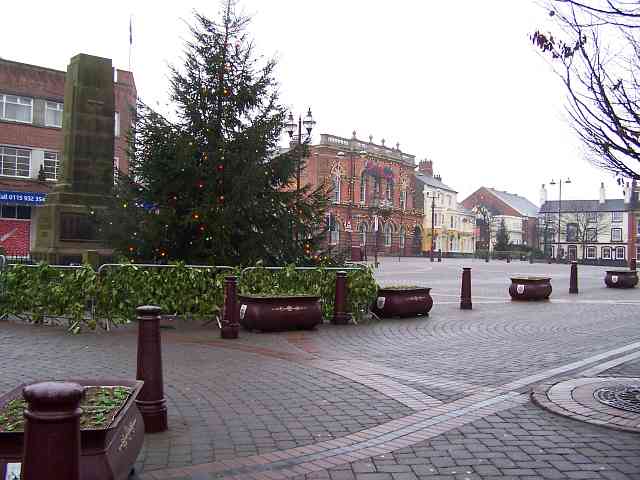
[592, 217]
[572, 232]
[116, 124]
[15, 162]
[616, 234]
[389, 191]
[15, 108]
[51, 165]
[451, 222]
[336, 189]
[403, 199]
[53, 114]
[363, 189]
[616, 216]
[592, 235]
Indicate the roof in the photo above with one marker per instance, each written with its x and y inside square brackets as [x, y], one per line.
[520, 204]
[433, 182]
[613, 205]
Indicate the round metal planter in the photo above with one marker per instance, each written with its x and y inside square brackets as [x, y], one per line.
[396, 302]
[276, 313]
[530, 288]
[621, 278]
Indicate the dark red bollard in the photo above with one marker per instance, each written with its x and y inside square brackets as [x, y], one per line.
[465, 292]
[230, 326]
[51, 446]
[151, 401]
[508, 258]
[632, 264]
[340, 317]
[573, 278]
[439, 255]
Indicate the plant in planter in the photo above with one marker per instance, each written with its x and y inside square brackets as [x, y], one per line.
[621, 278]
[530, 288]
[111, 428]
[403, 301]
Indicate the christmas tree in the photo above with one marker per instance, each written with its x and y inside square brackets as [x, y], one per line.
[212, 186]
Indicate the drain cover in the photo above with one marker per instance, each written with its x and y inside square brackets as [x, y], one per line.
[624, 397]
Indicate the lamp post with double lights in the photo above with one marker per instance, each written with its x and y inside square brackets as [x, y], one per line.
[290, 126]
[433, 196]
[559, 183]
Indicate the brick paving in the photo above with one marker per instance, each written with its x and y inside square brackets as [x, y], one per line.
[439, 397]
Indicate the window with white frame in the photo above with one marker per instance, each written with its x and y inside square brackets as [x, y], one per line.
[15, 162]
[388, 235]
[53, 114]
[403, 199]
[616, 234]
[363, 228]
[591, 253]
[15, 108]
[116, 124]
[402, 235]
[389, 192]
[592, 235]
[336, 189]
[606, 253]
[51, 165]
[363, 189]
[616, 217]
[619, 253]
[334, 230]
[592, 217]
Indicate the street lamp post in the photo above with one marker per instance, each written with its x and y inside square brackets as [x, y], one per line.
[560, 181]
[433, 197]
[290, 126]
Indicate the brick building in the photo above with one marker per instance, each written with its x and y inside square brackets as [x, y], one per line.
[373, 186]
[31, 143]
[518, 213]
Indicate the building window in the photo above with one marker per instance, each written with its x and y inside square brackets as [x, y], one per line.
[51, 165]
[389, 192]
[592, 235]
[20, 212]
[17, 109]
[616, 234]
[572, 232]
[334, 230]
[363, 228]
[606, 253]
[53, 114]
[637, 252]
[402, 237]
[619, 253]
[592, 217]
[451, 221]
[336, 189]
[638, 227]
[363, 189]
[403, 199]
[388, 235]
[591, 253]
[616, 217]
[15, 162]
[116, 124]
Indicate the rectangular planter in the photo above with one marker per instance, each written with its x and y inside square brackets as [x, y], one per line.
[106, 454]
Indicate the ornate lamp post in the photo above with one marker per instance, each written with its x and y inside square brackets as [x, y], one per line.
[483, 214]
[552, 182]
[290, 126]
[433, 197]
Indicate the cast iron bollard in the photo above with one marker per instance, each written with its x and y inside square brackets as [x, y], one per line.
[151, 401]
[632, 264]
[573, 279]
[508, 258]
[230, 326]
[51, 446]
[465, 292]
[439, 255]
[340, 317]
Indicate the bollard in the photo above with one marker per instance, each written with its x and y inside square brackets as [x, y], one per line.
[465, 292]
[230, 327]
[150, 401]
[508, 258]
[573, 279]
[340, 317]
[531, 257]
[632, 264]
[439, 255]
[51, 448]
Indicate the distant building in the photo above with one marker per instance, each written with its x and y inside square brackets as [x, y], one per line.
[519, 215]
[31, 141]
[373, 186]
[453, 225]
[602, 231]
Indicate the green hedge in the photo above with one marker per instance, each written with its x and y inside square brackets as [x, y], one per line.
[84, 299]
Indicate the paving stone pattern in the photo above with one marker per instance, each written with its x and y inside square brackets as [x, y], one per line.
[439, 397]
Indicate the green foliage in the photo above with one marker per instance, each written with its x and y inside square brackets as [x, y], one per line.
[84, 298]
[503, 242]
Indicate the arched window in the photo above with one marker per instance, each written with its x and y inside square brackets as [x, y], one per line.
[388, 235]
[363, 189]
[402, 235]
[336, 188]
[363, 228]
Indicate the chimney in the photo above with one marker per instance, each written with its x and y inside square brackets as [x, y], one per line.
[426, 167]
[543, 195]
[602, 197]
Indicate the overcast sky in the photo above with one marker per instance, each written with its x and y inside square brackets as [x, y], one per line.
[457, 82]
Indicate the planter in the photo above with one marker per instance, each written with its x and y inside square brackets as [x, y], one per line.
[530, 288]
[106, 454]
[279, 312]
[621, 278]
[403, 302]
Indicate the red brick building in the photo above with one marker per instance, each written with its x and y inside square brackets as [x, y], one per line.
[373, 185]
[31, 141]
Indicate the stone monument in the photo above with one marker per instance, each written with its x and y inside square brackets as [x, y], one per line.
[65, 231]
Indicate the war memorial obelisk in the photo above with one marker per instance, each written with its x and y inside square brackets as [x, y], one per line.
[65, 230]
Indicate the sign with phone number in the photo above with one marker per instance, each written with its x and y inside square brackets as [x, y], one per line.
[22, 198]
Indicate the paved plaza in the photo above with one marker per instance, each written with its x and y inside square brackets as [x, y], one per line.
[446, 397]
